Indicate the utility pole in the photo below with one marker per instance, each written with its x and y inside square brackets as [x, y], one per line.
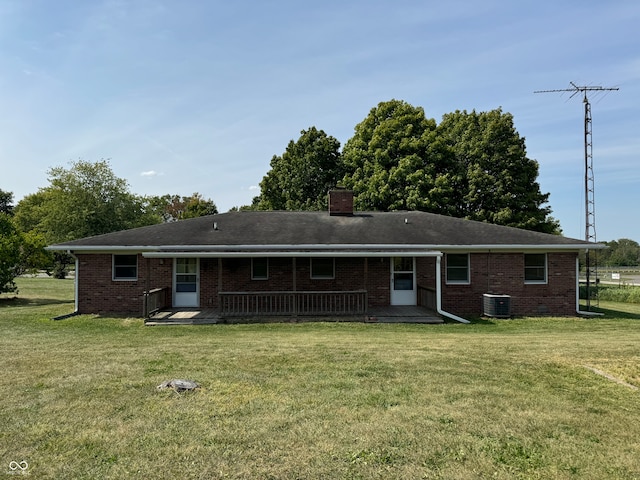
[589, 179]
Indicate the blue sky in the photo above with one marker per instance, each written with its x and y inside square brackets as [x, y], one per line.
[197, 96]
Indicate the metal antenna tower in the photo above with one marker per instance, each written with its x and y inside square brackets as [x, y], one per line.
[589, 180]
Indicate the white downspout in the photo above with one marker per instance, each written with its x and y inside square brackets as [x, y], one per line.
[439, 295]
[578, 311]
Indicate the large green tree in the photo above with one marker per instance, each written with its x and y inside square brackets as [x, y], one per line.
[172, 208]
[621, 253]
[6, 202]
[83, 200]
[10, 245]
[494, 181]
[471, 165]
[19, 253]
[301, 177]
[394, 160]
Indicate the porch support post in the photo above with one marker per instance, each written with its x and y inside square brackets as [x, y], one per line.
[219, 284]
[148, 288]
[295, 287]
[366, 284]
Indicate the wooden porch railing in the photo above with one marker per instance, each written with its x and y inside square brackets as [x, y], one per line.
[293, 303]
[155, 300]
[427, 297]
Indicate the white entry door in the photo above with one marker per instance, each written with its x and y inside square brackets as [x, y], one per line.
[403, 281]
[186, 282]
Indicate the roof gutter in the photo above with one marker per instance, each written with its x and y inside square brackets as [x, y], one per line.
[578, 311]
[439, 295]
[324, 246]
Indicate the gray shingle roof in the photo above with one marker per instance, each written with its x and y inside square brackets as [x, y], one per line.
[236, 230]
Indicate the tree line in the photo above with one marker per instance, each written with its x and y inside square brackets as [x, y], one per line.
[471, 165]
[83, 200]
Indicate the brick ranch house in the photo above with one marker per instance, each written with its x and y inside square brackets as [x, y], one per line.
[327, 263]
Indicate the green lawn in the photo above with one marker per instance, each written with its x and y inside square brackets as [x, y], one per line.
[495, 399]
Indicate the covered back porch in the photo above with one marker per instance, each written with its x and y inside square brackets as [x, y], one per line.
[196, 316]
[367, 273]
[235, 307]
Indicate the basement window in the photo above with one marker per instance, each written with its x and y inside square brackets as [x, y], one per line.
[458, 268]
[322, 268]
[535, 268]
[259, 269]
[125, 267]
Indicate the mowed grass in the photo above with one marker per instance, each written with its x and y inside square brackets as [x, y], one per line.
[496, 399]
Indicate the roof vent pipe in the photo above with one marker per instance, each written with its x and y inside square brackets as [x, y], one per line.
[215, 225]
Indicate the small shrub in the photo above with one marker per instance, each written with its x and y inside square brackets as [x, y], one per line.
[610, 293]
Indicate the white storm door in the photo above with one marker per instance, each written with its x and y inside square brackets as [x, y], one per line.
[186, 282]
[403, 281]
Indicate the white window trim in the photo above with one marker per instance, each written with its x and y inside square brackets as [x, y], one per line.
[546, 272]
[321, 277]
[458, 282]
[253, 277]
[113, 268]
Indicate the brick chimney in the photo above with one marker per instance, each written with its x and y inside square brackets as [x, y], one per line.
[340, 201]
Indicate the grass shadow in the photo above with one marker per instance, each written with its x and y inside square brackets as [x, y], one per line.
[617, 313]
[482, 321]
[30, 302]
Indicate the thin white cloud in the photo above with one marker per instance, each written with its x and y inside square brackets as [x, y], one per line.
[150, 173]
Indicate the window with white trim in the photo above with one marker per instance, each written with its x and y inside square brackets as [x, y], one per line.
[535, 268]
[125, 267]
[323, 268]
[458, 268]
[259, 268]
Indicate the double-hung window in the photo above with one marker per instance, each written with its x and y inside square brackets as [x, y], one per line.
[535, 268]
[259, 268]
[458, 268]
[125, 267]
[323, 268]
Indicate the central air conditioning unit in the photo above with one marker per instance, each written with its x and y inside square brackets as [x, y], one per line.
[497, 305]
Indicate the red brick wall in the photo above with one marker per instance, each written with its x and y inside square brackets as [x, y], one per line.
[99, 293]
[372, 274]
[379, 282]
[503, 273]
[497, 273]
